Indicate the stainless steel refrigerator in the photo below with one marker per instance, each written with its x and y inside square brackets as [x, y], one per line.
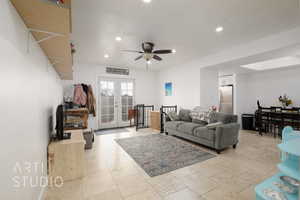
[226, 99]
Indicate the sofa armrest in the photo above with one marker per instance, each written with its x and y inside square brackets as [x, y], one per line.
[226, 135]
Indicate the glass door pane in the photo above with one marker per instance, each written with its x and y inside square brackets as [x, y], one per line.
[107, 103]
[126, 98]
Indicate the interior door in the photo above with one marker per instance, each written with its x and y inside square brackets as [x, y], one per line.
[116, 98]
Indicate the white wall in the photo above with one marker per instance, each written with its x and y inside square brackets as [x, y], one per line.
[186, 86]
[267, 86]
[209, 84]
[193, 87]
[145, 84]
[29, 94]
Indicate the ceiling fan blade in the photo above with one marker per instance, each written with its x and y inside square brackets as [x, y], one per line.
[166, 51]
[156, 57]
[138, 57]
[132, 51]
[143, 46]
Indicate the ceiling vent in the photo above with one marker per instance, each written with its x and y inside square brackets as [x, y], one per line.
[119, 71]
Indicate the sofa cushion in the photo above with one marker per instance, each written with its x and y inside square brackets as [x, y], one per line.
[188, 127]
[226, 118]
[198, 121]
[205, 133]
[214, 125]
[184, 115]
[173, 124]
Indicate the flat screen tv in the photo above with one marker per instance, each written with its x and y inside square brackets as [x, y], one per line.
[60, 122]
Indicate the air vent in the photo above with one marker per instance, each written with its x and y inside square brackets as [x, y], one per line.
[119, 71]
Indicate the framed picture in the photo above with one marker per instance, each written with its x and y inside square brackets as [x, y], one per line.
[168, 89]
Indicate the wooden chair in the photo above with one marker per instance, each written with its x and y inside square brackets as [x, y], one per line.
[292, 117]
[276, 120]
[296, 119]
[264, 119]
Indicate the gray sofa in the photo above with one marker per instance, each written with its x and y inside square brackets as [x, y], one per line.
[218, 136]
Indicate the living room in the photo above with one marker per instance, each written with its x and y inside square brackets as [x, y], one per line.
[124, 100]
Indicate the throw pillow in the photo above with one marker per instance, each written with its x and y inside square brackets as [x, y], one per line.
[198, 113]
[184, 115]
[212, 117]
[173, 116]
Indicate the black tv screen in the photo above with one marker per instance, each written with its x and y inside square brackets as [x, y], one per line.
[60, 122]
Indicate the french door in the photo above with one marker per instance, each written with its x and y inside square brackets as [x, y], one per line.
[116, 97]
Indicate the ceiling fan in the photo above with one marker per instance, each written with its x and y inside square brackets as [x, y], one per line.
[149, 53]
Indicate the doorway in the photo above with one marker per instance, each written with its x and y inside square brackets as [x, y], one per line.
[116, 97]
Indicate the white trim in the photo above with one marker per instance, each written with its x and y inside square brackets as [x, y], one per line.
[42, 193]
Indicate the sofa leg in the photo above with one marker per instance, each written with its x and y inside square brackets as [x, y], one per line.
[218, 151]
[166, 133]
[234, 146]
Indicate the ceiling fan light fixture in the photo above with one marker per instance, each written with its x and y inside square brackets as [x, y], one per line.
[219, 29]
[106, 56]
[148, 52]
[147, 1]
[118, 39]
[149, 62]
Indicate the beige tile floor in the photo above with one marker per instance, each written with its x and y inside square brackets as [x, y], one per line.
[111, 174]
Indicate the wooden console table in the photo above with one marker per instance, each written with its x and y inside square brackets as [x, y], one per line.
[66, 157]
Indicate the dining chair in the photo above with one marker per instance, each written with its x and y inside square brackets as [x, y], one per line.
[296, 118]
[264, 119]
[276, 120]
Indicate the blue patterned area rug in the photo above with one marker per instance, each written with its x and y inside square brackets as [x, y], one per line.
[159, 154]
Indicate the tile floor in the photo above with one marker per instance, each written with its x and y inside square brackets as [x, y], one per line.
[111, 174]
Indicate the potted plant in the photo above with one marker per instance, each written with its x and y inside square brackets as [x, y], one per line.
[285, 101]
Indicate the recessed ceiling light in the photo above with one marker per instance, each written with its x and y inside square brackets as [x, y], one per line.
[274, 63]
[106, 56]
[219, 29]
[173, 50]
[147, 1]
[118, 38]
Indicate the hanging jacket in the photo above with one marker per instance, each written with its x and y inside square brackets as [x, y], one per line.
[85, 88]
[80, 97]
[91, 101]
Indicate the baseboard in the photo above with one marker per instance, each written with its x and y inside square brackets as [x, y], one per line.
[42, 193]
[103, 129]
